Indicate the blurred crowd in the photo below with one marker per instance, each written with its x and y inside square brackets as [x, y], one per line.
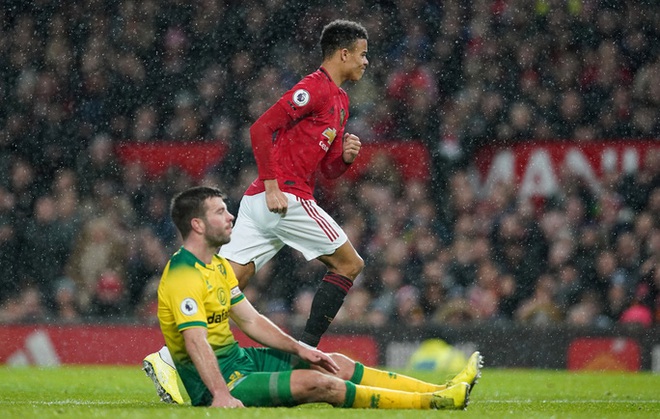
[83, 236]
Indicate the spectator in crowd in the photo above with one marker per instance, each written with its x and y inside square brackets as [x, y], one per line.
[9, 245]
[97, 263]
[638, 311]
[27, 306]
[569, 287]
[607, 273]
[540, 308]
[145, 258]
[654, 276]
[408, 309]
[356, 309]
[484, 294]
[389, 280]
[588, 312]
[65, 301]
[46, 241]
[98, 165]
[23, 188]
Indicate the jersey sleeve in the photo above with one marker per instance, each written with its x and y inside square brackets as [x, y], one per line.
[262, 134]
[184, 294]
[333, 164]
[305, 98]
[235, 293]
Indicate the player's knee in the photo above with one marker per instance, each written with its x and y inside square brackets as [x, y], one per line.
[329, 389]
[346, 263]
[314, 386]
[356, 266]
[346, 366]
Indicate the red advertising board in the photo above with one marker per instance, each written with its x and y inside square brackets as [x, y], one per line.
[54, 345]
[156, 157]
[537, 167]
[604, 354]
[125, 345]
[410, 157]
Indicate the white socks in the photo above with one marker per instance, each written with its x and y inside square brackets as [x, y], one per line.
[165, 356]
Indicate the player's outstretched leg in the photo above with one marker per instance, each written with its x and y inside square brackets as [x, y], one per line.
[367, 376]
[163, 375]
[374, 377]
[359, 396]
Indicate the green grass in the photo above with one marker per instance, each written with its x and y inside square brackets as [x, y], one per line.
[124, 392]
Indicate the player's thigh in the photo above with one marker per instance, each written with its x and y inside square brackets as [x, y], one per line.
[307, 228]
[273, 360]
[253, 238]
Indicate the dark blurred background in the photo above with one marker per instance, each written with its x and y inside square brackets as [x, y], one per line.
[84, 234]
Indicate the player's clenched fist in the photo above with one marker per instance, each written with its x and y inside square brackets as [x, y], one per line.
[352, 146]
[276, 200]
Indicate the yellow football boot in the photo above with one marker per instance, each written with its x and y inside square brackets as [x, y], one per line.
[164, 377]
[470, 373]
[454, 397]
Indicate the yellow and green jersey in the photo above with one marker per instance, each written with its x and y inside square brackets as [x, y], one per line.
[194, 294]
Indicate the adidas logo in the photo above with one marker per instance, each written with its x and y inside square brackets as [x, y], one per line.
[38, 350]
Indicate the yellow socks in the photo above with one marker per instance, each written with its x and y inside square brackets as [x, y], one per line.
[366, 376]
[359, 396]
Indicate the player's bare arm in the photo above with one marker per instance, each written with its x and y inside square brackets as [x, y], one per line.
[267, 333]
[206, 363]
[351, 147]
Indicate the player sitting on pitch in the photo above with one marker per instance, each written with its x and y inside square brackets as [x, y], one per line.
[198, 294]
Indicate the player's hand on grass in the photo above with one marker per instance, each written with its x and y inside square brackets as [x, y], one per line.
[228, 402]
[351, 146]
[276, 201]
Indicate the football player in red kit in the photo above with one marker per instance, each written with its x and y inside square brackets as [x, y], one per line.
[301, 134]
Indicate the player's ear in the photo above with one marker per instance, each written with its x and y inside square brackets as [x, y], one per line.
[197, 225]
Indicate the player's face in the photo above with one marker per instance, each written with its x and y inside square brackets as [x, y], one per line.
[357, 60]
[218, 222]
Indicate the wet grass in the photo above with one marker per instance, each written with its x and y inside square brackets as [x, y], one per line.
[124, 392]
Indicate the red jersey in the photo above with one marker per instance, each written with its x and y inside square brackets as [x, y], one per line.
[300, 135]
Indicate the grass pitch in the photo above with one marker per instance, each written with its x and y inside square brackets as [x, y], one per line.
[125, 392]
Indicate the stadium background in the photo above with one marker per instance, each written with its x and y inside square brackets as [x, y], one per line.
[508, 196]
